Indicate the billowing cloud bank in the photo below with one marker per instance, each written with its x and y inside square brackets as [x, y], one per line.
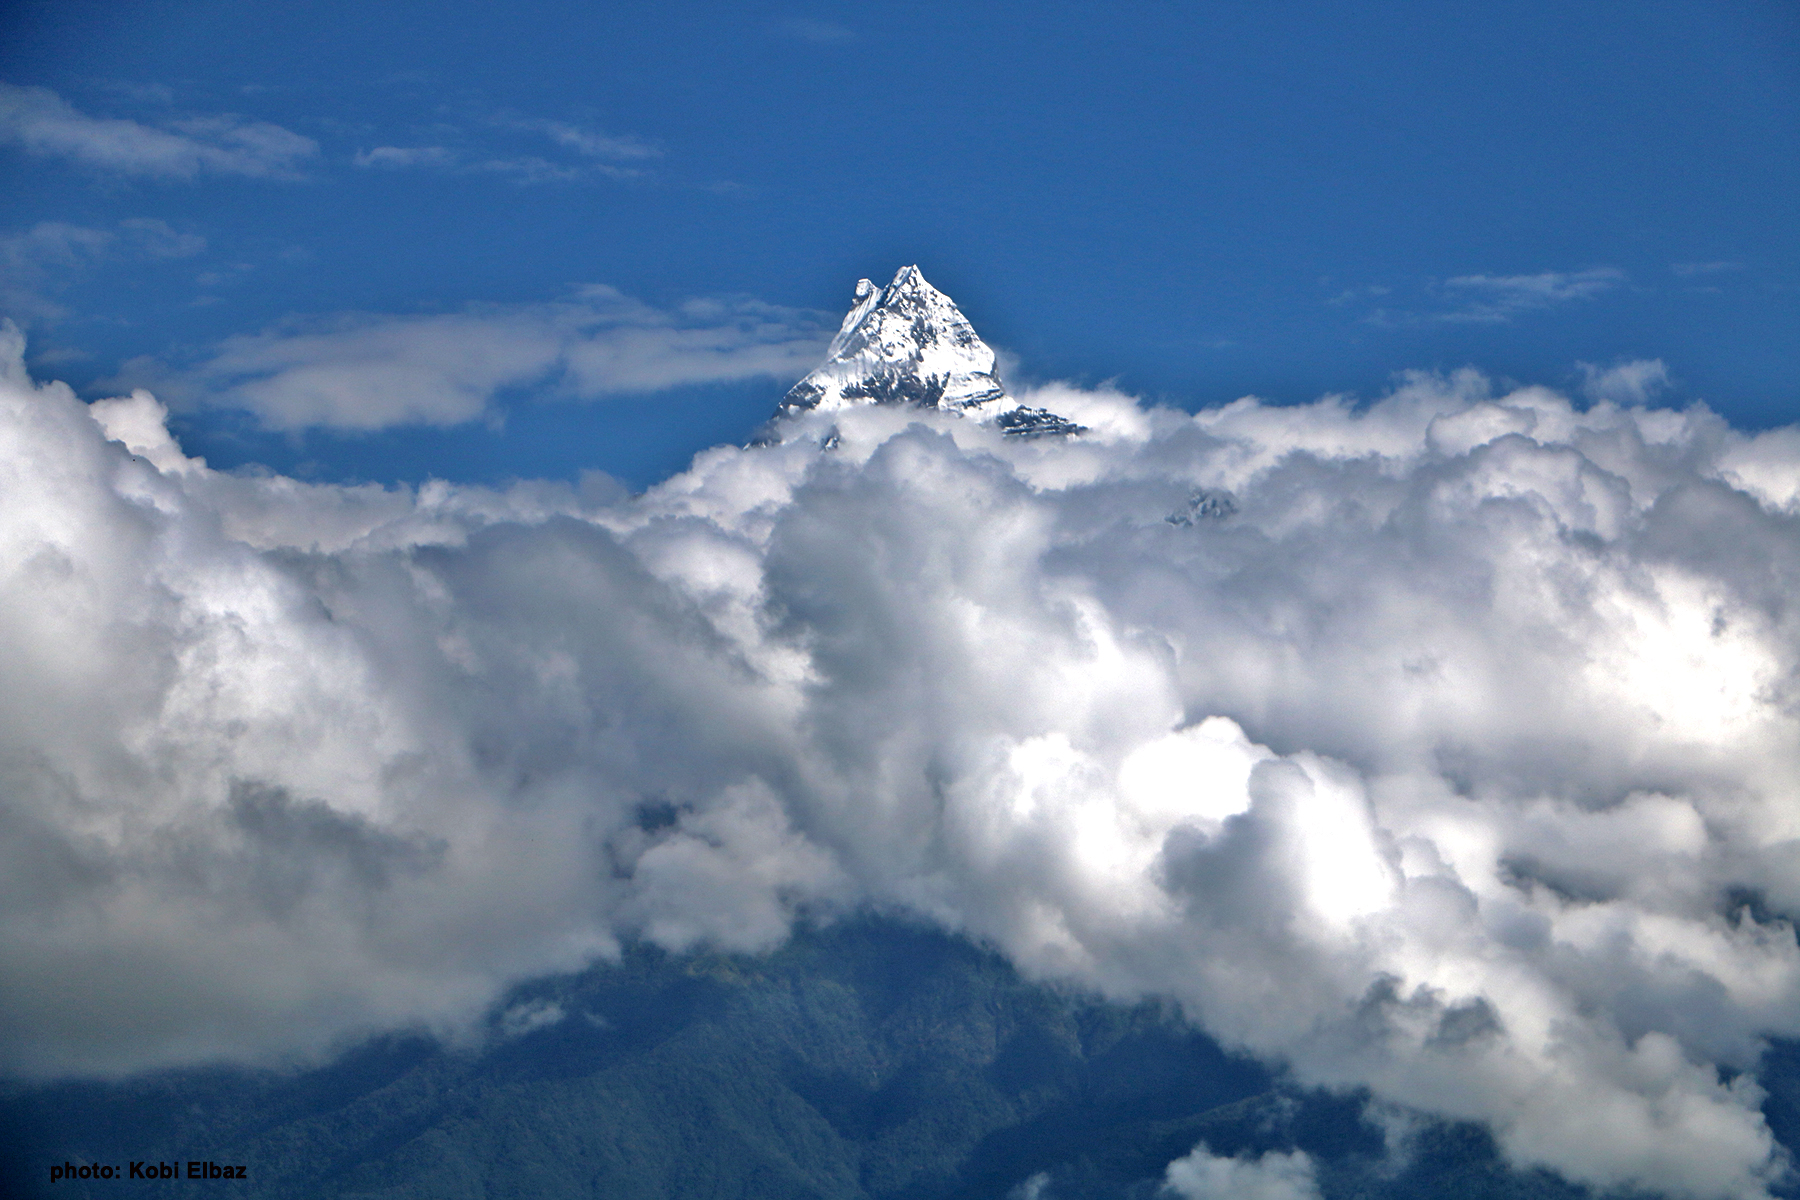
[1446, 747]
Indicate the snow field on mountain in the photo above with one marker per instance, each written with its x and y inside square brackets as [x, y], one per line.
[909, 344]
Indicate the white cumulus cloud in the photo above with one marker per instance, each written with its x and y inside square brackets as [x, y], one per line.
[1638, 381]
[1444, 747]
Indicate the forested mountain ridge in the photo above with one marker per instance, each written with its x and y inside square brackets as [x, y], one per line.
[861, 1061]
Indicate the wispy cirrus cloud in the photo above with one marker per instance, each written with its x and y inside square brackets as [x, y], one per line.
[534, 168]
[361, 371]
[42, 123]
[1495, 299]
[589, 153]
[588, 142]
[402, 157]
[527, 168]
[38, 262]
[1373, 291]
[1502, 297]
[1690, 270]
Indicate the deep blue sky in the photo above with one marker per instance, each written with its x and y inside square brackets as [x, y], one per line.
[1199, 200]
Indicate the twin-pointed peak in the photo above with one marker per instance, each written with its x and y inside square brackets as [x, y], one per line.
[907, 343]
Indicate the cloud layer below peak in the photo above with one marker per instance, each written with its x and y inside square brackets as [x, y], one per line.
[1443, 747]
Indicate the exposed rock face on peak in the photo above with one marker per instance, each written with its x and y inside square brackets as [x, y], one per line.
[907, 343]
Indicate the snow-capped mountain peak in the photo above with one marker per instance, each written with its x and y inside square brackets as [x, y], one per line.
[908, 343]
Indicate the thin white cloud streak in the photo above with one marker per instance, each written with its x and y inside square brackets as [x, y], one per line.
[34, 261]
[367, 372]
[530, 168]
[43, 123]
[525, 169]
[1688, 270]
[401, 157]
[1447, 759]
[589, 144]
[1496, 298]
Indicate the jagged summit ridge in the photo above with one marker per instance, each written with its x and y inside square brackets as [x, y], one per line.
[905, 343]
[908, 343]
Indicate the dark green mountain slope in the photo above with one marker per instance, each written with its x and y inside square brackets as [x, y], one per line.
[865, 1061]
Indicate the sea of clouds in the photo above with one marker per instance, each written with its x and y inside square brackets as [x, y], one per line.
[1445, 746]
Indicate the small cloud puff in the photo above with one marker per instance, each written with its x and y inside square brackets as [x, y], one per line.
[1639, 381]
[1202, 1175]
[529, 1016]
